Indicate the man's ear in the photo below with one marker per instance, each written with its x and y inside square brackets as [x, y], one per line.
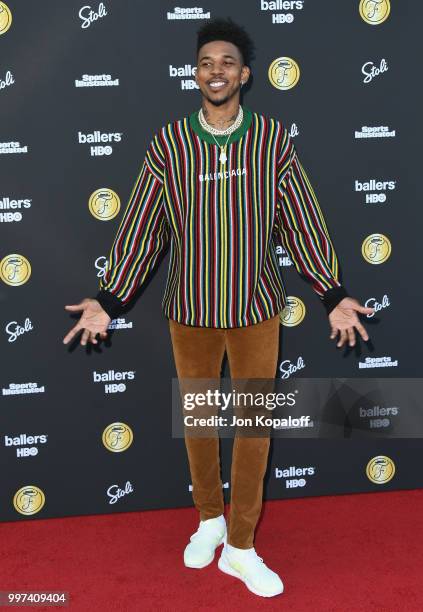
[245, 73]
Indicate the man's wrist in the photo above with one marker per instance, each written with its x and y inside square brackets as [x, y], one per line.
[333, 296]
[109, 303]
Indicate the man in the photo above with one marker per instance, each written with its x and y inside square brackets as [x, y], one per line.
[223, 186]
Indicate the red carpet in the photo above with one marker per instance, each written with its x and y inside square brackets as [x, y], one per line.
[347, 553]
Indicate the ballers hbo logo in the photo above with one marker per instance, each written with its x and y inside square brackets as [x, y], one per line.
[374, 12]
[380, 469]
[15, 269]
[5, 18]
[104, 204]
[293, 313]
[117, 437]
[29, 500]
[284, 73]
[376, 248]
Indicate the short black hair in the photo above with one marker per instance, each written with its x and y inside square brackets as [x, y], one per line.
[226, 29]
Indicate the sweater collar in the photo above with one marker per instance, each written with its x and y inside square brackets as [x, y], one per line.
[240, 131]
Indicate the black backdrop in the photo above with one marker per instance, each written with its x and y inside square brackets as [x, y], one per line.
[45, 218]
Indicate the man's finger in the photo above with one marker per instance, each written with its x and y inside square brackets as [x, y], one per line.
[333, 333]
[364, 309]
[75, 329]
[351, 336]
[342, 338]
[75, 307]
[85, 337]
[362, 331]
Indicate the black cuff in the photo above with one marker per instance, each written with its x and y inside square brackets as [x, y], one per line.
[109, 303]
[333, 296]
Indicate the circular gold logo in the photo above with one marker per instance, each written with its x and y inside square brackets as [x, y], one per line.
[284, 73]
[376, 248]
[380, 469]
[104, 204]
[117, 437]
[374, 12]
[29, 499]
[5, 18]
[15, 269]
[293, 313]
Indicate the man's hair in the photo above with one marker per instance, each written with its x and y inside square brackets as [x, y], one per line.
[228, 30]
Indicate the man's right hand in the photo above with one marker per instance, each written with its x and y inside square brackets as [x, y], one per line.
[94, 320]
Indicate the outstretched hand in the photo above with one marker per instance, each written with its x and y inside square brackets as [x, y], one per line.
[94, 320]
[343, 319]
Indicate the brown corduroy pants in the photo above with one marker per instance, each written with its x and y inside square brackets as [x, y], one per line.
[252, 352]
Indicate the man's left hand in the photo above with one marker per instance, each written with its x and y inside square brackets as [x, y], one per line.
[343, 319]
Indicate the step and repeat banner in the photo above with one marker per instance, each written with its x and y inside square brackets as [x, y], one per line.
[83, 87]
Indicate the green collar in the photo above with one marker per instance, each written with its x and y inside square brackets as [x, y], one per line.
[196, 126]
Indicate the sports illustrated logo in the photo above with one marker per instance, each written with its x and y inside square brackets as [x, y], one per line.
[120, 323]
[25, 444]
[12, 147]
[115, 493]
[104, 204]
[376, 248]
[97, 136]
[380, 131]
[101, 264]
[379, 416]
[13, 207]
[370, 71]
[284, 260]
[5, 18]
[111, 378]
[15, 269]
[293, 313]
[22, 388]
[282, 5]
[373, 303]
[374, 12]
[376, 188]
[13, 330]
[96, 80]
[187, 13]
[220, 175]
[287, 368]
[284, 73]
[7, 81]
[88, 15]
[377, 362]
[182, 72]
[295, 476]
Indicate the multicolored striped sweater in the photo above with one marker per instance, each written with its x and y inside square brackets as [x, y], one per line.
[223, 222]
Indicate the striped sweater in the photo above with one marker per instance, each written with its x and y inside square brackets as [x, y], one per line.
[223, 222]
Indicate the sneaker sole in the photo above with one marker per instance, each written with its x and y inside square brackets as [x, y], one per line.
[224, 566]
[206, 563]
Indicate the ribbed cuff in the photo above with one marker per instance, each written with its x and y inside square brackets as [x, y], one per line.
[109, 303]
[333, 296]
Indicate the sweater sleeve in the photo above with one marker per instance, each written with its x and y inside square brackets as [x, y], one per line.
[142, 235]
[302, 229]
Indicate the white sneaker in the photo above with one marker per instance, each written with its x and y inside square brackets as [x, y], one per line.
[250, 568]
[203, 543]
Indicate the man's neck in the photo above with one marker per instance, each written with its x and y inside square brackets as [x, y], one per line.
[220, 117]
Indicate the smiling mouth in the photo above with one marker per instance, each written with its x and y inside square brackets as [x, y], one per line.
[217, 85]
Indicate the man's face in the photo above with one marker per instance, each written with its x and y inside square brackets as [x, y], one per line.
[219, 71]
